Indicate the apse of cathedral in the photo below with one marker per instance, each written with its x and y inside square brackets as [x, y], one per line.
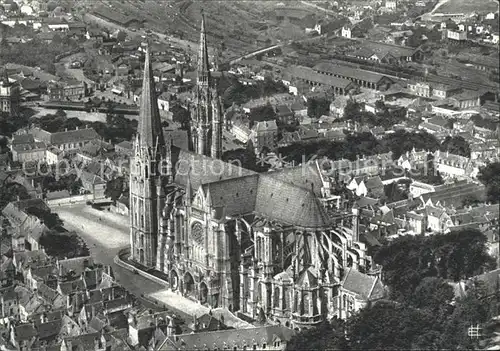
[260, 244]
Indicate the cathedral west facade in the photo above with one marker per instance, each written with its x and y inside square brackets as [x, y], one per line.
[229, 237]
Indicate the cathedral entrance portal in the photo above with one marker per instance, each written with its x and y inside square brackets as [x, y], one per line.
[203, 293]
[189, 284]
[174, 280]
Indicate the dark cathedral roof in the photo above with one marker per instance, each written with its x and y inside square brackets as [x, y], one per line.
[241, 191]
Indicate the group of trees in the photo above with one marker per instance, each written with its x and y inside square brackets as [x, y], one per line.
[361, 144]
[69, 182]
[318, 106]
[117, 127]
[422, 311]
[50, 219]
[490, 177]
[456, 145]
[245, 157]
[238, 94]
[63, 244]
[407, 260]
[36, 53]
[11, 192]
[115, 188]
[384, 117]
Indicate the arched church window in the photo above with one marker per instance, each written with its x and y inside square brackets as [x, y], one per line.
[276, 297]
[197, 234]
[146, 172]
[142, 240]
[142, 221]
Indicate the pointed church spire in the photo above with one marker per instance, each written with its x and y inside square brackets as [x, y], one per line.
[149, 130]
[203, 63]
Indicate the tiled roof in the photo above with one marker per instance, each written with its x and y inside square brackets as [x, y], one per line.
[49, 330]
[382, 49]
[434, 211]
[125, 145]
[230, 338]
[308, 277]
[25, 332]
[306, 176]
[74, 136]
[44, 272]
[21, 259]
[373, 182]
[266, 126]
[349, 72]
[467, 95]
[202, 169]
[306, 73]
[77, 265]
[454, 194]
[83, 342]
[274, 198]
[22, 139]
[70, 287]
[491, 281]
[289, 204]
[237, 195]
[365, 286]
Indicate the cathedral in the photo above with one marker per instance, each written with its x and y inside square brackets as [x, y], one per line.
[262, 244]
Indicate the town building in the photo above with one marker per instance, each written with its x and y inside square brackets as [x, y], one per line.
[68, 90]
[67, 140]
[264, 135]
[366, 79]
[357, 291]
[9, 96]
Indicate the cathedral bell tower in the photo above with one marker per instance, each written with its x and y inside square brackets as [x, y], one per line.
[150, 171]
[206, 116]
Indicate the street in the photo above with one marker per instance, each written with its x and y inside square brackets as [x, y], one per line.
[105, 233]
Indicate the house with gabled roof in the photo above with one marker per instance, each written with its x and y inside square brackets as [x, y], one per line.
[272, 337]
[357, 291]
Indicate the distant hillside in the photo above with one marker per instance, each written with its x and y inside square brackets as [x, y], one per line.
[467, 6]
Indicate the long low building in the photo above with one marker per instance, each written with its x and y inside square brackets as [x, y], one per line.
[365, 79]
[311, 77]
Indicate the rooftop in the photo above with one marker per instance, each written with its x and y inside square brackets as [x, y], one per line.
[350, 72]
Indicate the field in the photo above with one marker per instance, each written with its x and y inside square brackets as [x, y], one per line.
[233, 27]
[467, 6]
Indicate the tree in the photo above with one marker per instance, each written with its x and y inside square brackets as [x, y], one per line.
[490, 177]
[324, 337]
[402, 141]
[63, 245]
[180, 115]
[389, 325]
[433, 293]
[51, 220]
[407, 260]
[263, 113]
[317, 107]
[12, 192]
[114, 188]
[456, 145]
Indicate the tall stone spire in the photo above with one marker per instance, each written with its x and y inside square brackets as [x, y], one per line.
[203, 62]
[150, 131]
